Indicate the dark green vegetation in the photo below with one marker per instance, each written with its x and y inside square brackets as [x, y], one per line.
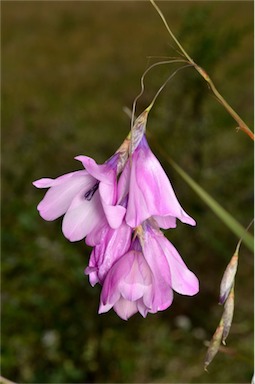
[68, 70]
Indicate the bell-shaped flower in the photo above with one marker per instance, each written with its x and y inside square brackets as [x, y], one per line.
[128, 286]
[84, 198]
[144, 278]
[149, 191]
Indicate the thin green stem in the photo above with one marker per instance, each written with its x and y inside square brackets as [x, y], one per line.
[240, 241]
[171, 33]
[142, 82]
[163, 86]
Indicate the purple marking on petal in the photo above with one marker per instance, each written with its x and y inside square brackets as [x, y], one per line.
[90, 193]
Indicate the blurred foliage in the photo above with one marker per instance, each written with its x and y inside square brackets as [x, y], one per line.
[68, 69]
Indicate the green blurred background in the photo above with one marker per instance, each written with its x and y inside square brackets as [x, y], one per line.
[68, 69]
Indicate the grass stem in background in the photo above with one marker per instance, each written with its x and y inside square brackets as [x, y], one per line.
[241, 124]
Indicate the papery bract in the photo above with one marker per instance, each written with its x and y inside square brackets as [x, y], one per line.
[149, 191]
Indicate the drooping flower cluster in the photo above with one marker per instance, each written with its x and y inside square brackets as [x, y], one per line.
[119, 208]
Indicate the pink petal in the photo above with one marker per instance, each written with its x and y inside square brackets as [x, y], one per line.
[161, 284]
[137, 209]
[59, 197]
[150, 192]
[93, 277]
[48, 182]
[159, 263]
[125, 308]
[163, 298]
[114, 213]
[183, 280]
[101, 172]
[107, 189]
[142, 308]
[166, 222]
[133, 285]
[123, 280]
[104, 307]
[108, 297]
[98, 233]
[113, 245]
[43, 183]
[82, 216]
[117, 244]
[110, 292]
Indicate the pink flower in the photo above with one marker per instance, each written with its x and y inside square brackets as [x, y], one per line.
[149, 191]
[84, 197]
[128, 286]
[144, 278]
[129, 195]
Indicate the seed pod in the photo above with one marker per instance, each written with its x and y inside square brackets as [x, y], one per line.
[228, 314]
[214, 344]
[228, 278]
